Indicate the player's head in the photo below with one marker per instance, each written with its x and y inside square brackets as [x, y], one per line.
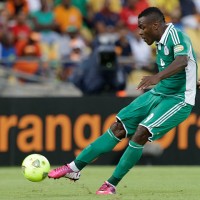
[151, 23]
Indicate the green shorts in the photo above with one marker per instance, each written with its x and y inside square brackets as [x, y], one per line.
[158, 113]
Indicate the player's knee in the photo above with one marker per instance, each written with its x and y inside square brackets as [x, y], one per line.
[118, 130]
[141, 135]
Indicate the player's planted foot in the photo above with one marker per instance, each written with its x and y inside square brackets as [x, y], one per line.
[106, 188]
[64, 171]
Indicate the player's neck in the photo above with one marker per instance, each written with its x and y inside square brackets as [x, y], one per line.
[162, 30]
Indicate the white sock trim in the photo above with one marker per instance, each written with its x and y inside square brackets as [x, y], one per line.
[110, 184]
[136, 147]
[73, 167]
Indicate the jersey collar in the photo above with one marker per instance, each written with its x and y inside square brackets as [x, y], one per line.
[165, 34]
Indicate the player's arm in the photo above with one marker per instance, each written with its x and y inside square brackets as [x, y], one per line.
[176, 66]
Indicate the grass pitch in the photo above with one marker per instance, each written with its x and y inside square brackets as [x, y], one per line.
[142, 183]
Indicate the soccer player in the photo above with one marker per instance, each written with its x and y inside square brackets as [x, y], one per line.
[153, 114]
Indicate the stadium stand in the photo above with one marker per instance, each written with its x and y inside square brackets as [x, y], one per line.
[42, 46]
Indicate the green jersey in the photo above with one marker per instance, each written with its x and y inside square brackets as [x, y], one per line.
[183, 84]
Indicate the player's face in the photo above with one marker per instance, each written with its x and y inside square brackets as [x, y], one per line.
[147, 30]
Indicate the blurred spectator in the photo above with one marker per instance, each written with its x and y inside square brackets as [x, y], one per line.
[94, 5]
[197, 5]
[129, 13]
[175, 18]
[103, 36]
[63, 46]
[79, 50]
[57, 2]
[190, 16]
[71, 45]
[16, 6]
[82, 6]
[44, 22]
[169, 8]
[100, 31]
[29, 53]
[21, 29]
[67, 15]
[97, 5]
[142, 57]
[4, 19]
[107, 16]
[122, 45]
[87, 17]
[72, 50]
[30, 47]
[7, 50]
[123, 49]
[142, 53]
[34, 5]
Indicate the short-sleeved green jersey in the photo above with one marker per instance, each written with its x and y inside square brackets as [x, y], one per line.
[183, 84]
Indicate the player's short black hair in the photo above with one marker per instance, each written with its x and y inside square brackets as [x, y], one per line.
[154, 12]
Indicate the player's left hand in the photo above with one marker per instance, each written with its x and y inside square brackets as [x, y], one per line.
[146, 81]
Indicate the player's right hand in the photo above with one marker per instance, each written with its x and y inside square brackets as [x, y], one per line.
[147, 81]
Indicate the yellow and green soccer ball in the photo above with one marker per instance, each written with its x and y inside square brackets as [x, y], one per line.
[35, 167]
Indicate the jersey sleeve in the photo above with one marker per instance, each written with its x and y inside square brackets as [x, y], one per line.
[183, 46]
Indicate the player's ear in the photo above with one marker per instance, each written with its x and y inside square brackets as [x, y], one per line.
[155, 25]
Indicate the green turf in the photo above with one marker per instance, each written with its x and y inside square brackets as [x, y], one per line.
[142, 183]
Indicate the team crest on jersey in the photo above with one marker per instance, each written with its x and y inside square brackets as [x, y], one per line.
[166, 51]
[162, 63]
[178, 48]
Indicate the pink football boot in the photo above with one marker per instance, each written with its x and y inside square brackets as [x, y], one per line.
[64, 171]
[106, 188]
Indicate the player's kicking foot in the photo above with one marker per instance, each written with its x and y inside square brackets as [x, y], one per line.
[106, 188]
[64, 171]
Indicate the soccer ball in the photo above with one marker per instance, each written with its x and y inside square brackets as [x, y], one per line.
[35, 167]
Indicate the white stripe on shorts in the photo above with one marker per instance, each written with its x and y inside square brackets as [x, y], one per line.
[168, 114]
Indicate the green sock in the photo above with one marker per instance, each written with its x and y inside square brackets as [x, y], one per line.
[101, 145]
[130, 157]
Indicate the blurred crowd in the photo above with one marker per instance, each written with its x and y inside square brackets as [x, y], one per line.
[93, 44]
